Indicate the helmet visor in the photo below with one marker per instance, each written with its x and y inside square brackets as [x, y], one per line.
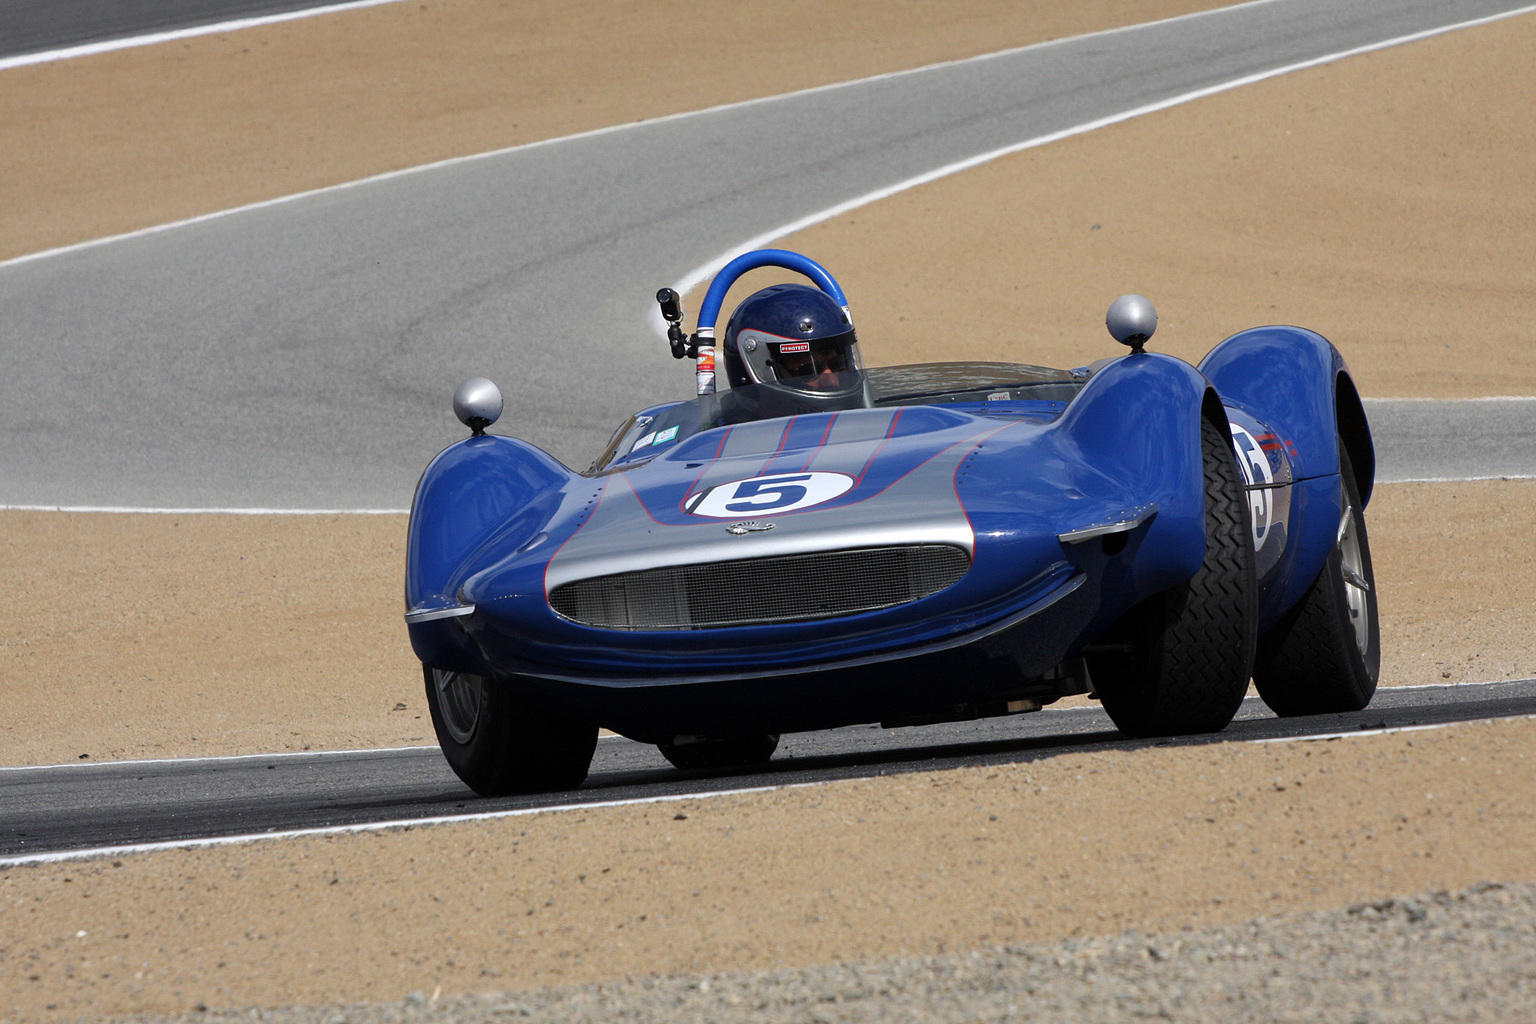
[827, 364]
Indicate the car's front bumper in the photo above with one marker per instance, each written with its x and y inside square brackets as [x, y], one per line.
[992, 658]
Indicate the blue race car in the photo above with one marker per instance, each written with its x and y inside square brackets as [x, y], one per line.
[824, 543]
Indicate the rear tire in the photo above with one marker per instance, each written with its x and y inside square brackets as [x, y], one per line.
[1186, 654]
[498, 743]
[731, 752]
[1324, 655]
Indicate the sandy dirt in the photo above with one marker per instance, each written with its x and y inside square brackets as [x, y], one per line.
[1071, 845]
[1387, 201]
[1456, 564]
[106, 144]
[156, 636]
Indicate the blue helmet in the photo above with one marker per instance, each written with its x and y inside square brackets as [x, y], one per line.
[796, 340]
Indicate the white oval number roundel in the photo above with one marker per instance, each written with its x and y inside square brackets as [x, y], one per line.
[1259, 478]
[782, 492]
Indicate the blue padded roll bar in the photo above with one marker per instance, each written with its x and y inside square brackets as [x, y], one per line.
[709, 312]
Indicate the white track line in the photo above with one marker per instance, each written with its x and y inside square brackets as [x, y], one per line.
[99, 852]
[1389, 730]
[171, 35]
[595, 132]
[1479, 398]
[257, 21]
[1453, 479]
[1453, 686]
[360, 752]
[210, 511]
[699, 274]
[355, 752]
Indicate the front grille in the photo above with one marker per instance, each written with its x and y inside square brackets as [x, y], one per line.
[782, 588]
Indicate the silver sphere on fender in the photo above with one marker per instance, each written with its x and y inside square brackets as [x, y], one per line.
[477, 404]
[1131, 321]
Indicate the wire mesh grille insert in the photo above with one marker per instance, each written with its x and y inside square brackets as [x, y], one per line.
[781, 588]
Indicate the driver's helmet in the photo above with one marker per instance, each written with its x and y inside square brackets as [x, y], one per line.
[797, 341]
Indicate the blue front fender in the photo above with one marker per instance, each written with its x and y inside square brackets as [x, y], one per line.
[478, 490]
[1130, 439]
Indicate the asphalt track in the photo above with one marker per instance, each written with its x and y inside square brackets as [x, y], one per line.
[95, 807]
[300, 354]
[1473, 439]
[38, 26]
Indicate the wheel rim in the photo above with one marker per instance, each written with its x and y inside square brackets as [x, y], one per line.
[1357, 589]
[460, 697]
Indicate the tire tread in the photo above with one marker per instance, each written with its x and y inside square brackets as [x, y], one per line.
[1196, 642]
[1309, 662]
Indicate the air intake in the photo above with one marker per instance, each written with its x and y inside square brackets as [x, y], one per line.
[755, 591]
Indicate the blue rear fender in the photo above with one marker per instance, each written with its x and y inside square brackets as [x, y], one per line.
[1296, 383]
[1129, 439]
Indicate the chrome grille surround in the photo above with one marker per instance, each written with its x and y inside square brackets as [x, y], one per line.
[757, 591]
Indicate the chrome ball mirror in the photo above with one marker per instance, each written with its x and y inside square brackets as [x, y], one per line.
[1131, 321]
[477, 404]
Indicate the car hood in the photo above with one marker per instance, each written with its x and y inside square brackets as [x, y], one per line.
[864, 478]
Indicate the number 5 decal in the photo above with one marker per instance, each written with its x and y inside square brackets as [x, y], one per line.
[782, 493]
[765, 493]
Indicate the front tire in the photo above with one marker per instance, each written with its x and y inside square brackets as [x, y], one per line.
[497, 743]
[1179, 662]
[1324, 655]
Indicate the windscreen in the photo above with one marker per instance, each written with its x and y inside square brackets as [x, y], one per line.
[657, 430]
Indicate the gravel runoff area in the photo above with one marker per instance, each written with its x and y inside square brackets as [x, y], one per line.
[1463, 956]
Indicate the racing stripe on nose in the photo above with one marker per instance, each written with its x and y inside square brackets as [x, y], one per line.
[802, 436]
[759, 438]
[820, 442]
[856, 436]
